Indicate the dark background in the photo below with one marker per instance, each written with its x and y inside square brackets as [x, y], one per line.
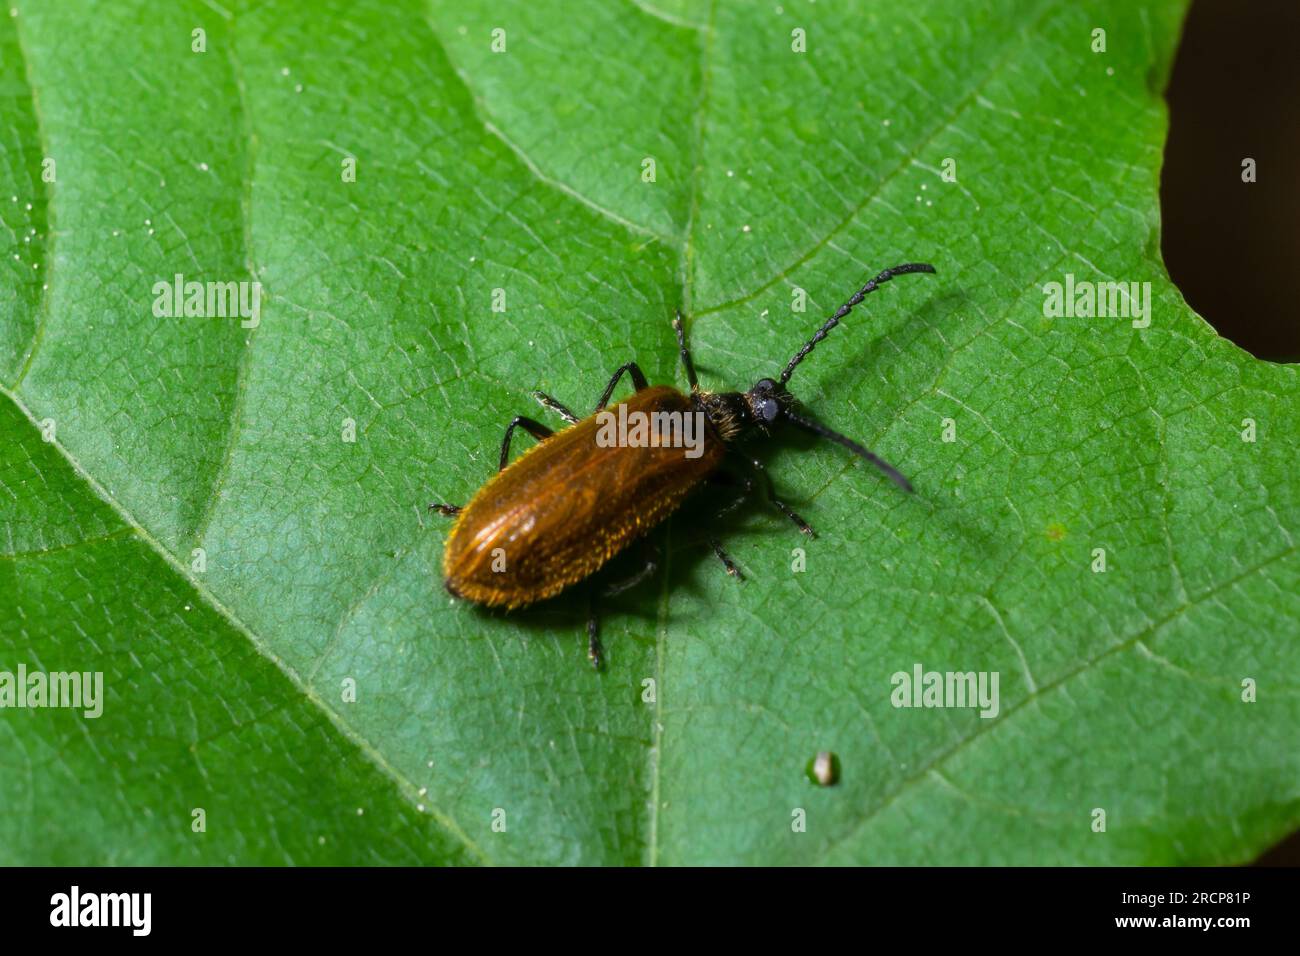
[1233, 248]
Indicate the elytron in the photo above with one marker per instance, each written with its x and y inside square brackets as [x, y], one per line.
[567, 505]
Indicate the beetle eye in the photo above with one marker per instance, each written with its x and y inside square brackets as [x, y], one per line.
[768, 409]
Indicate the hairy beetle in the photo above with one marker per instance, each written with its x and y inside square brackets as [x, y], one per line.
[571, 502]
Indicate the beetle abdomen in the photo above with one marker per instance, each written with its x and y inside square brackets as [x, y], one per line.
[572, 502]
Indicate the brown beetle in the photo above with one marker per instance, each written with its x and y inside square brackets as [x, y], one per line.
[579, 497]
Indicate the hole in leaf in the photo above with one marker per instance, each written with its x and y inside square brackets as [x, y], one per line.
[1233, 247]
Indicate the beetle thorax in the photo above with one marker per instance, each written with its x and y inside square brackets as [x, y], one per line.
[727, 412]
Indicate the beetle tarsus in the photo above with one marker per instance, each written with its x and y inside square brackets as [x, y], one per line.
[804, 526]
[647, 570]
[793, 515]
[447, 511]
[595, 653]
[555, 405]
[726, 560]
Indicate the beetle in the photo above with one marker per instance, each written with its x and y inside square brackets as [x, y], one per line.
[567, 505]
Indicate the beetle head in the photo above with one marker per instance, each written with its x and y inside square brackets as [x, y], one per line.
[767, 402]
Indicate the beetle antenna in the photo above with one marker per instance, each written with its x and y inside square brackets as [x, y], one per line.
[817, 428]
[847, 307]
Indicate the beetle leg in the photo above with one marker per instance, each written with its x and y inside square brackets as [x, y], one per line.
[638, 382]
[558, 407]
[747, 487]
[726, 561]
[685, 352]
[447, 511]
[534, 428]
[780, 506]
[595, 654]
[651, 565]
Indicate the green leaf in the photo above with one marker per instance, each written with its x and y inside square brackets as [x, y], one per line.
[133, 440]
